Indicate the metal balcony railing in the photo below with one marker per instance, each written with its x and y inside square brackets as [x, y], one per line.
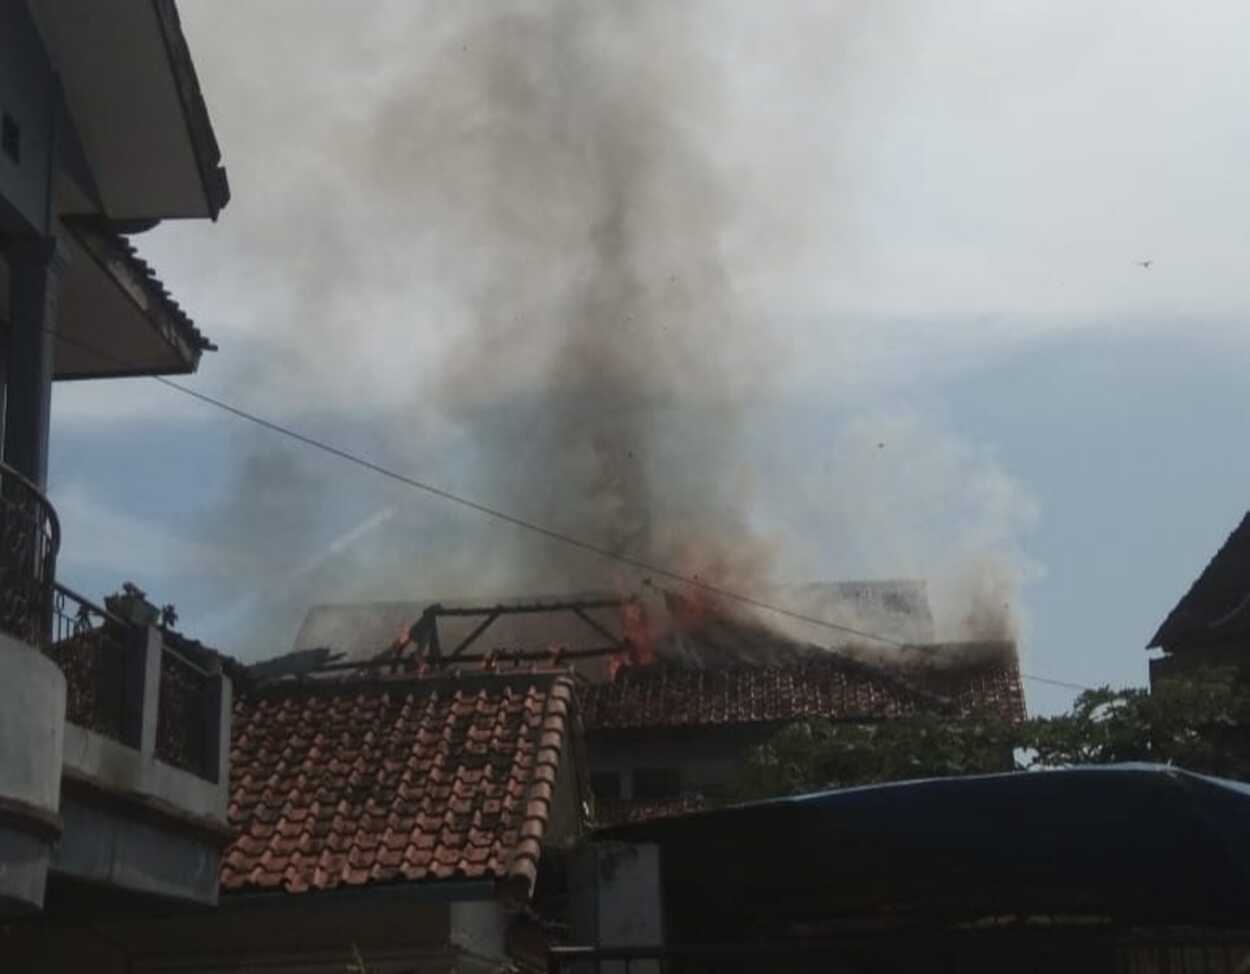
[94, 649]
[184, 714]
[30, 537]
[104, 657]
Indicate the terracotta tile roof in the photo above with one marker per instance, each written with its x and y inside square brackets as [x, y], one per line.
[827, 686]
[409, 780]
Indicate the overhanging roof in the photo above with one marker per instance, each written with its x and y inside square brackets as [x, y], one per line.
[1135, 842]
[1217, 606]
[136, 103]
[117, 318]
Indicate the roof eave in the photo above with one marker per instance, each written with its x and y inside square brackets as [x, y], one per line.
[118, 259]
[194, 109]
[431, 891]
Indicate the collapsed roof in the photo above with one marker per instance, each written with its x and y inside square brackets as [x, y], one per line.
[897, 610]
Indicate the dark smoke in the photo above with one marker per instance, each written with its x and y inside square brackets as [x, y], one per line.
[541, 254]
[559, 150]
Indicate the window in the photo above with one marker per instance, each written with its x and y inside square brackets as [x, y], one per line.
[656, 783]
[606, 785]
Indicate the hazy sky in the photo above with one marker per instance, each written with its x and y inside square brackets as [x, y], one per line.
[901, 237]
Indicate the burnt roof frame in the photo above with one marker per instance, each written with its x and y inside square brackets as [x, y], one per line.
[424, 632]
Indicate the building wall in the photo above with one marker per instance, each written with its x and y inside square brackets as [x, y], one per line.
[393, 931]
[31, 736]
[27, 101]
[1227, 657]
[706, 758]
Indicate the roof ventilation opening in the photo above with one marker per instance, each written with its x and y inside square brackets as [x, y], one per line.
[11, 138]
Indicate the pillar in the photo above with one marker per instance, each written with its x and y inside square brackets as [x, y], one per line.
[36, 267]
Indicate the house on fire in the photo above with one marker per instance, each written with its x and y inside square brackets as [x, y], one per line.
[672, 692]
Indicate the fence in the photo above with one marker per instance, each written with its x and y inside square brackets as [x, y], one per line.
[185, 716]
[105, 661]
[30, 537]
[94, 649]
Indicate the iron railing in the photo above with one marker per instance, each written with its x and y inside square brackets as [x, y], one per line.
[93, 648]
[184, 715]
[30, 537]
[102, 656]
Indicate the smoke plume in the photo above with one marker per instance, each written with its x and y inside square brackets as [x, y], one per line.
[536, 252]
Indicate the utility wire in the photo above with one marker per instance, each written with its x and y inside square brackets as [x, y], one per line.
[552, 534]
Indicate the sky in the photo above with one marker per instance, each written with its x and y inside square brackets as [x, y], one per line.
[860, 280]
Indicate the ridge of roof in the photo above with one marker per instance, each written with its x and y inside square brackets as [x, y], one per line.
[428, 681]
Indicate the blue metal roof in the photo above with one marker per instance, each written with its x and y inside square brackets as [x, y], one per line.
[1133, 841]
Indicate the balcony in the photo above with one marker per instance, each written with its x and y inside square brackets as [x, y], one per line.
[112, 662]
[114, 738]
[32, 717]
[30, 537]
[145, 779]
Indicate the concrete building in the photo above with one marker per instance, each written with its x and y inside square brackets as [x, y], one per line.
[113, 729]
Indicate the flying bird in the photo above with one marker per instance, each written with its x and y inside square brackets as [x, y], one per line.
[1145, 264]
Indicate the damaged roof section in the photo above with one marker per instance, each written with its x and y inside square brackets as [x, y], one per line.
[391, 781]
[825, 685]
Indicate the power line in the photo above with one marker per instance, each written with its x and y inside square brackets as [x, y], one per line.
[552, 534]
[1056, 683]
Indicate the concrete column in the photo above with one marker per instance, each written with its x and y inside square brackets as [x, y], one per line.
[217, 729]
[36, 266]
[143, 688]
[220, 758]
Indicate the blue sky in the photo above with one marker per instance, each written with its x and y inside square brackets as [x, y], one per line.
[908, 334]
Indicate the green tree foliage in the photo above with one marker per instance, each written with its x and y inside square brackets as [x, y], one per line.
[1201, 723]
[815, 754]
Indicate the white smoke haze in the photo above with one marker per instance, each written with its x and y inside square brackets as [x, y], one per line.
[556, 256]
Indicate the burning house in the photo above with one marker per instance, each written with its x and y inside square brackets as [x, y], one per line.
[674, 688]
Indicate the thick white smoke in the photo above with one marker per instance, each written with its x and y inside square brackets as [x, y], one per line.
[547, 254]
